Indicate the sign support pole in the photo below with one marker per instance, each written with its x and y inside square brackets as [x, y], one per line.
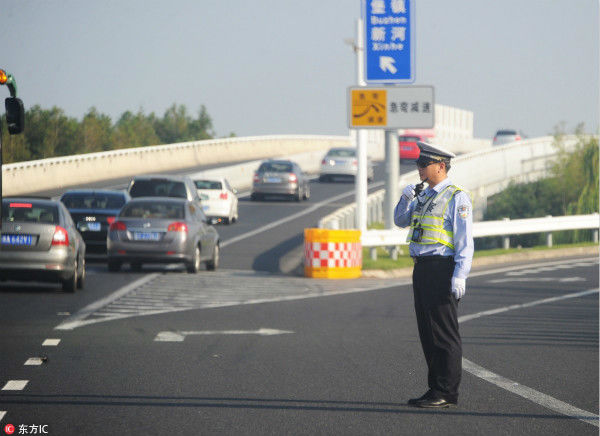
[392, 167]
[361, 141]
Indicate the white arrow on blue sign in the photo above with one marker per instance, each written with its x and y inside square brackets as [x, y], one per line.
[389, 41]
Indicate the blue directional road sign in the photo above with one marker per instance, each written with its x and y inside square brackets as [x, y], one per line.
[389, 41]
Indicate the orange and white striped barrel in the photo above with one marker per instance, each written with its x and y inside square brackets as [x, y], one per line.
[332, 254]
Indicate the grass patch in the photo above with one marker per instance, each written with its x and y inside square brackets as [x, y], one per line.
[385, 262]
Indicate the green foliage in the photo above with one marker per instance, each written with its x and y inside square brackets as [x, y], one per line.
[571, 190]
[50, 133]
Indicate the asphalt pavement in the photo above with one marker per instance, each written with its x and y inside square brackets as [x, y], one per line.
[252, 350]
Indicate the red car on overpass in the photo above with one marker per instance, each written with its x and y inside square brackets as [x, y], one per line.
[407, 142]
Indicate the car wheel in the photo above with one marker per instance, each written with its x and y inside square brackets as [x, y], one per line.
[297, 196]
[194, 266]
[136, 266]
[114, 265]
[307, 192]
[81, 277]
[226, 220]
[213, 263]
[70, 284]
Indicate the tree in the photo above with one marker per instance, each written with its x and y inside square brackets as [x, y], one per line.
[133, 131]
[96, 130]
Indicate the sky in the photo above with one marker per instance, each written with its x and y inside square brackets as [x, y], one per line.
[266, 67]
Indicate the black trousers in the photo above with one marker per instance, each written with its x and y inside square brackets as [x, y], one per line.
[436, 310]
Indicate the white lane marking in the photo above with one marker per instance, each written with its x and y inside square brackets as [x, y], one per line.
[50, 342]
[73, 321]
[63, 313]
[538, 279]
[557, 264]
[2, 414]
[465, 318]
[34, 361]
[15, 385]
[523, 391]
[290, 217]
[530, 394]
[180, 336]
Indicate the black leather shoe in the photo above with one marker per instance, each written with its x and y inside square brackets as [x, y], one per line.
[425, 396]
[435, 403]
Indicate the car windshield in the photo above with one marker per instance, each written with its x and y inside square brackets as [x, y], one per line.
[408, 138]
[208, 184]
[158, 188]
[276, 167]
[93, 201]
[153, 209]
[506, 132]
[342, 152]
[29, 212]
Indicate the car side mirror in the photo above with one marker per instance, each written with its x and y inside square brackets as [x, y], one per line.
[15, 115]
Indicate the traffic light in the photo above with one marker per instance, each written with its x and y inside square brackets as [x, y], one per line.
[15, 112]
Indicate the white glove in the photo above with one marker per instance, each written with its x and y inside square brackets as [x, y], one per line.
[458, 287]
[409, 192]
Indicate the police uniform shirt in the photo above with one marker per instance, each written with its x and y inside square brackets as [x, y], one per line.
[457, 219]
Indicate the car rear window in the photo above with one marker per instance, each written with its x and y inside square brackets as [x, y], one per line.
[153, 210]
[29, 212]
[408, 138]
[341, 152]
[158, 188]
[506, 132]
[93, 201]
[207, 184]
[275, 167]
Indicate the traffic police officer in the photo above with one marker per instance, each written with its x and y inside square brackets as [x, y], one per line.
[441, 245]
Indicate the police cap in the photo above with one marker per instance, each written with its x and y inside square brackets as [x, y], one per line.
[433, 153]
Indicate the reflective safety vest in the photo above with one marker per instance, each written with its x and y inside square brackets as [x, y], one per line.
[427, 220]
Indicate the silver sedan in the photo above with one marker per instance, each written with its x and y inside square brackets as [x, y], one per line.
[341, 162]
[162, 230]
[41, 243]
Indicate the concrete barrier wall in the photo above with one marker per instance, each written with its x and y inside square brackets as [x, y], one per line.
[240, 175]
[483, 173]
[56, 173]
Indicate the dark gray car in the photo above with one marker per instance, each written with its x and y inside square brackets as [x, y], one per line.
[41, 243]
[280, 177]
[93, 211]
[162, 230]
[163, 186]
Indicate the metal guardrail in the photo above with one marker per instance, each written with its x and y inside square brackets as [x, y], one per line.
[505, 228]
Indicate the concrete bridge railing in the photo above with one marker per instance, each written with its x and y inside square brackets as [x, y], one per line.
[56, 173]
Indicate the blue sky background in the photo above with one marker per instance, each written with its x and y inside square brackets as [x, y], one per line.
[282, 67]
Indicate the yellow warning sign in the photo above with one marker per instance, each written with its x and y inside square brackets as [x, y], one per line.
[369, 107]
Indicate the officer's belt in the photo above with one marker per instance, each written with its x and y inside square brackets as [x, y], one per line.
[421, 259]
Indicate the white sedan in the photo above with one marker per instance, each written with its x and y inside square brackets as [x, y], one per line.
[219, 199]
[342, 162]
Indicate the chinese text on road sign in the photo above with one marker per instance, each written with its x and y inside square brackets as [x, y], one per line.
[394, 107]
[389, 41]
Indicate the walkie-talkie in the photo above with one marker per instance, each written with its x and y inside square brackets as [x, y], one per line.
[419, 188]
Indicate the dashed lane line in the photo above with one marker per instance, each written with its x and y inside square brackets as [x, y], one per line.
[528, 393]
[51, 343]
[15, 385]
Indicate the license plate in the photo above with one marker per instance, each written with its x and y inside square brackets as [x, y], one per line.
[146, 236]
[273, 180]
[91, 226]
[17, 239]
[205, 208]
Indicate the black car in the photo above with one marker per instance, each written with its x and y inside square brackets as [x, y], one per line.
[93, 211]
